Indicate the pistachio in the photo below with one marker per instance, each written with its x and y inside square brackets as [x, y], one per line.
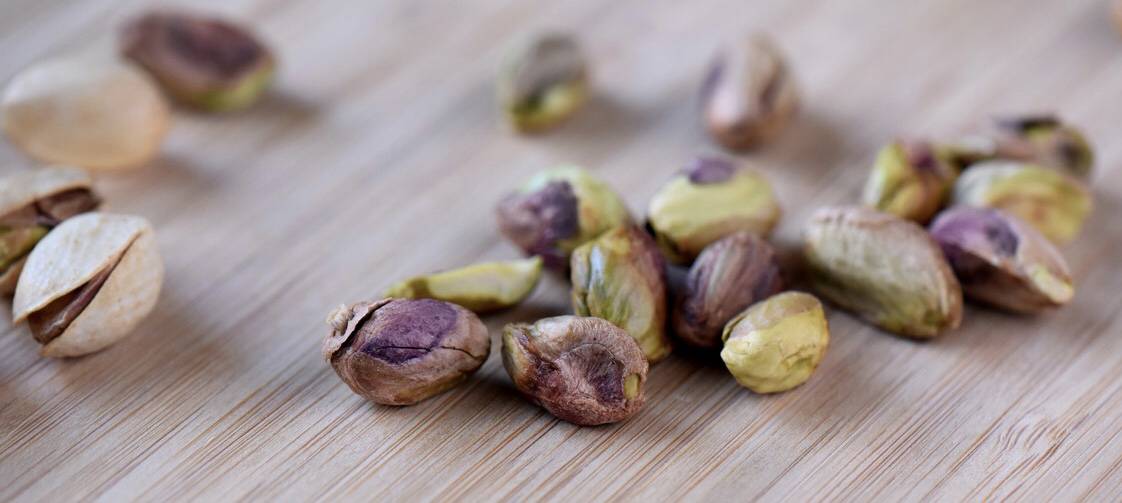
[543, 83]
[1002, 261]
[1116, 13]
[558, 210]
[776, 344]
[32, 203]
[1052, 202]
[727, 277]
[481, 288]
[712, 198]
[748, 96]
[85, 111]
[201, 61]
[582, 370]
[621, 277]
[89, 283]
[910, 180]
[1043, 140]
[885, 269]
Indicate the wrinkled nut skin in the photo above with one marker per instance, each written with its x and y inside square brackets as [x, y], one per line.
[726, 278]
[748, 96]
[1002, 261]
[710, 199]
[1043, 140]
[883, 268]
[482, 288]
[582, 370]
[776, 344]
[402, 351]
[203, 62]
[911, 180]
[543, 83]
[1057, 205]
[96, 113]
[558, 210]
[621, 277]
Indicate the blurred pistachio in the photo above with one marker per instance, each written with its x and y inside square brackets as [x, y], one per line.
[621, 277]
[558, 210]
[1001, 261]
[712, 198]
[1041, 140]
[481, 288]
[1052, 202]
[1116, 13]
[748, 96]
[543, 83]
[776, 344]
[885, 269]
[910, 180]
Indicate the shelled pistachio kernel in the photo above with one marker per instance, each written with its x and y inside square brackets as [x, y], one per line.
[1002, 261]
[748, 96]
[911, 180]
[557, 211]
[586, 371]
[1054, 203]
[776, 344]
[885, 269]
[1047, 141]
[710, 199]
[620, 277]
[543, 83]
[482, 288]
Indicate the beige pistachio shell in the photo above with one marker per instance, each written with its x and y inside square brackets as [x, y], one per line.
[70, 256]
[21, 189]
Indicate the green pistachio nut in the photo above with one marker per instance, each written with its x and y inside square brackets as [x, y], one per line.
[776, 344]
[543, 83]
[1054, 203]
[485, 287]
[710, 199]
[910, 180]
[621, 277]
[883, 268]
[1046, 141]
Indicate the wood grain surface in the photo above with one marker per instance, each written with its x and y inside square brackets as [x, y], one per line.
[380, 154]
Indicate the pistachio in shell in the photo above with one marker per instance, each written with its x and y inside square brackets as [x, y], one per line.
[543, 83]
[911, 180]
[710, 199]
[749, 95]
[883, 268]
[586, 371]
[777, 343]
[89, 283]
[485, 287]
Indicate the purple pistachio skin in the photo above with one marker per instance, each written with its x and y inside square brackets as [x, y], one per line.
[710, 170]
[1001, 261]
[402, 351]
[537, 222]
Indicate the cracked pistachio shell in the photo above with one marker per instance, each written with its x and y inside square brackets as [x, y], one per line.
[89, 283]
[910, 180]
[748, 96]
[621, 277]
[710, 199]
[586, 371]
[543, 83]
[883, 268]
[726, 278]
[402, 351]
[93, 112]
[481, 288]
[1043, 140]
[557, 211]
[776, 344]
[1054, 203]
[1002, 261]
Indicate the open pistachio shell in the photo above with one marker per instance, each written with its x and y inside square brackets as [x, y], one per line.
[89, 283]
[481, 287]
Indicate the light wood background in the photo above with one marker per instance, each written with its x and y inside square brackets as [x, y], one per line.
[380, 155]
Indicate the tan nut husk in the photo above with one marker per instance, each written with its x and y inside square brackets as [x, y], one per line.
[71, 256]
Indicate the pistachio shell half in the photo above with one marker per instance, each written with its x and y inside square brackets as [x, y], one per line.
[481, 287]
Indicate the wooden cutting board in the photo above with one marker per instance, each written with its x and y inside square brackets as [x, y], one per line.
[380, 155]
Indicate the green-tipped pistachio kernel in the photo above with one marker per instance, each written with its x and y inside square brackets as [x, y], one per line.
[621, 277]
[583, 370]
[885, 269]
[776, 344]
[201, 61]
[710, 199]
[1052, 202]
[558, 210]
[910, 180]
[543, 83]
[748, 95]
[1002, 261]
[481, 287]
